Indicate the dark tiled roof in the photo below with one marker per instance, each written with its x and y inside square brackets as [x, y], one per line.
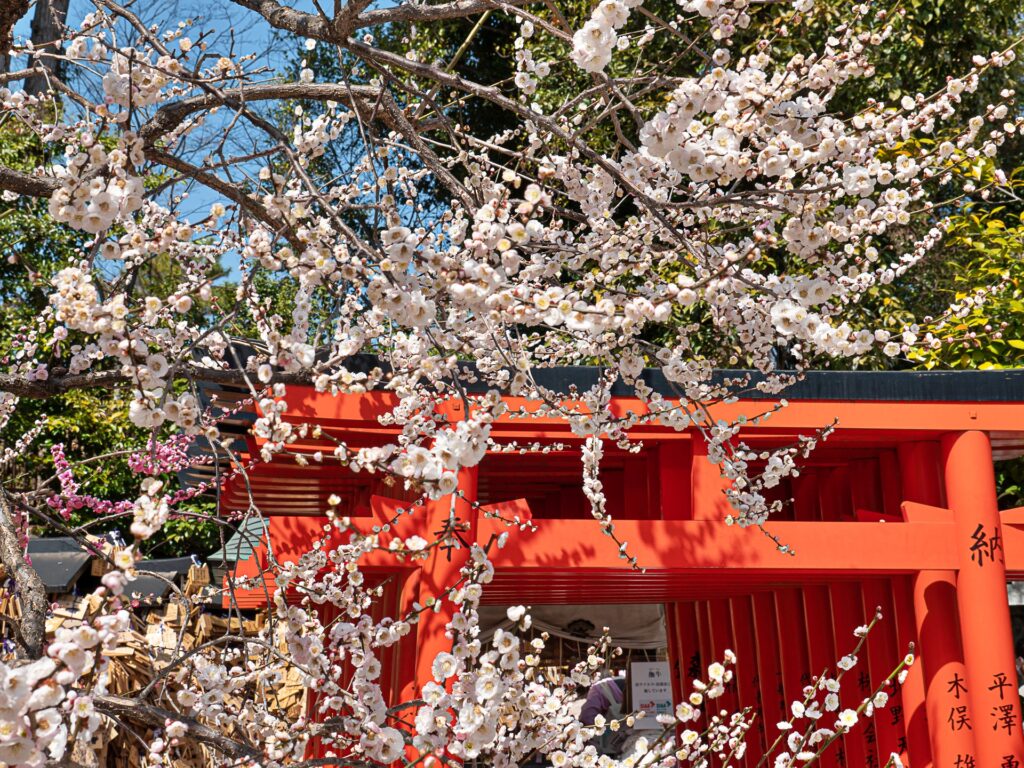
[176, 565]
[925, 386]
[59, 562]
[147, 585]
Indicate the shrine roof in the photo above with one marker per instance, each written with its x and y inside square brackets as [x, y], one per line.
[880, 386]
[991, 386]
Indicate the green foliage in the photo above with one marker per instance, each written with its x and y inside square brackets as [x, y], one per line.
[935, 39]
[988, 246]
[1010, 483]
[31, 243]
[187, 535]
[92, 425]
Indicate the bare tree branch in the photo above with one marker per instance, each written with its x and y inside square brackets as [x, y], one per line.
[140, 712]
[346, 21]
[281, 17]
[169, 117]
[409, 12]
[427, 155]
[351, 17]
[252, 206]
[58, 385]
[26, 184]
[166, 119]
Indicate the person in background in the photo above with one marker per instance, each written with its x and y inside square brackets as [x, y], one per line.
[606, 697]
[1020, 677]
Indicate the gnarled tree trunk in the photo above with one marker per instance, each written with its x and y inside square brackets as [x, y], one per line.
[31, 630]
[10, 12]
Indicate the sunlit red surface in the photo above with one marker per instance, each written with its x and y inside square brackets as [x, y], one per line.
[883, 515]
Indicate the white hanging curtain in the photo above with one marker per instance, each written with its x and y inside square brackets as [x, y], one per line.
[632, 626]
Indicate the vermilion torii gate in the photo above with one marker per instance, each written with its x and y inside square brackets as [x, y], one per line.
[897, 509]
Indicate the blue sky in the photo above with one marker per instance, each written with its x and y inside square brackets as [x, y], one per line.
[251, 30]
[251, 34]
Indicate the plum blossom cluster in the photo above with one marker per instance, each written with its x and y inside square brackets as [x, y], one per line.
[91, 201]
[48, 703]
[433, 467]
[35, 728]
[69, 500]
[594, 43]
[821, 717]
[133, 78]
[78, 306]
[12, 453]
[151, 509]
[168, 456]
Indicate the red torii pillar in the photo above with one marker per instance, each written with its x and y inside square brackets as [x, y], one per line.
[950, 714]
[981, 596]
[939, 672]
[440, 572]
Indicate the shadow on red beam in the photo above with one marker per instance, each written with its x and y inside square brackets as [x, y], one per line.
[572, 561]
[668, 545]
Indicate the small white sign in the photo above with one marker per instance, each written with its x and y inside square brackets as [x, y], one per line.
[650, 690]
